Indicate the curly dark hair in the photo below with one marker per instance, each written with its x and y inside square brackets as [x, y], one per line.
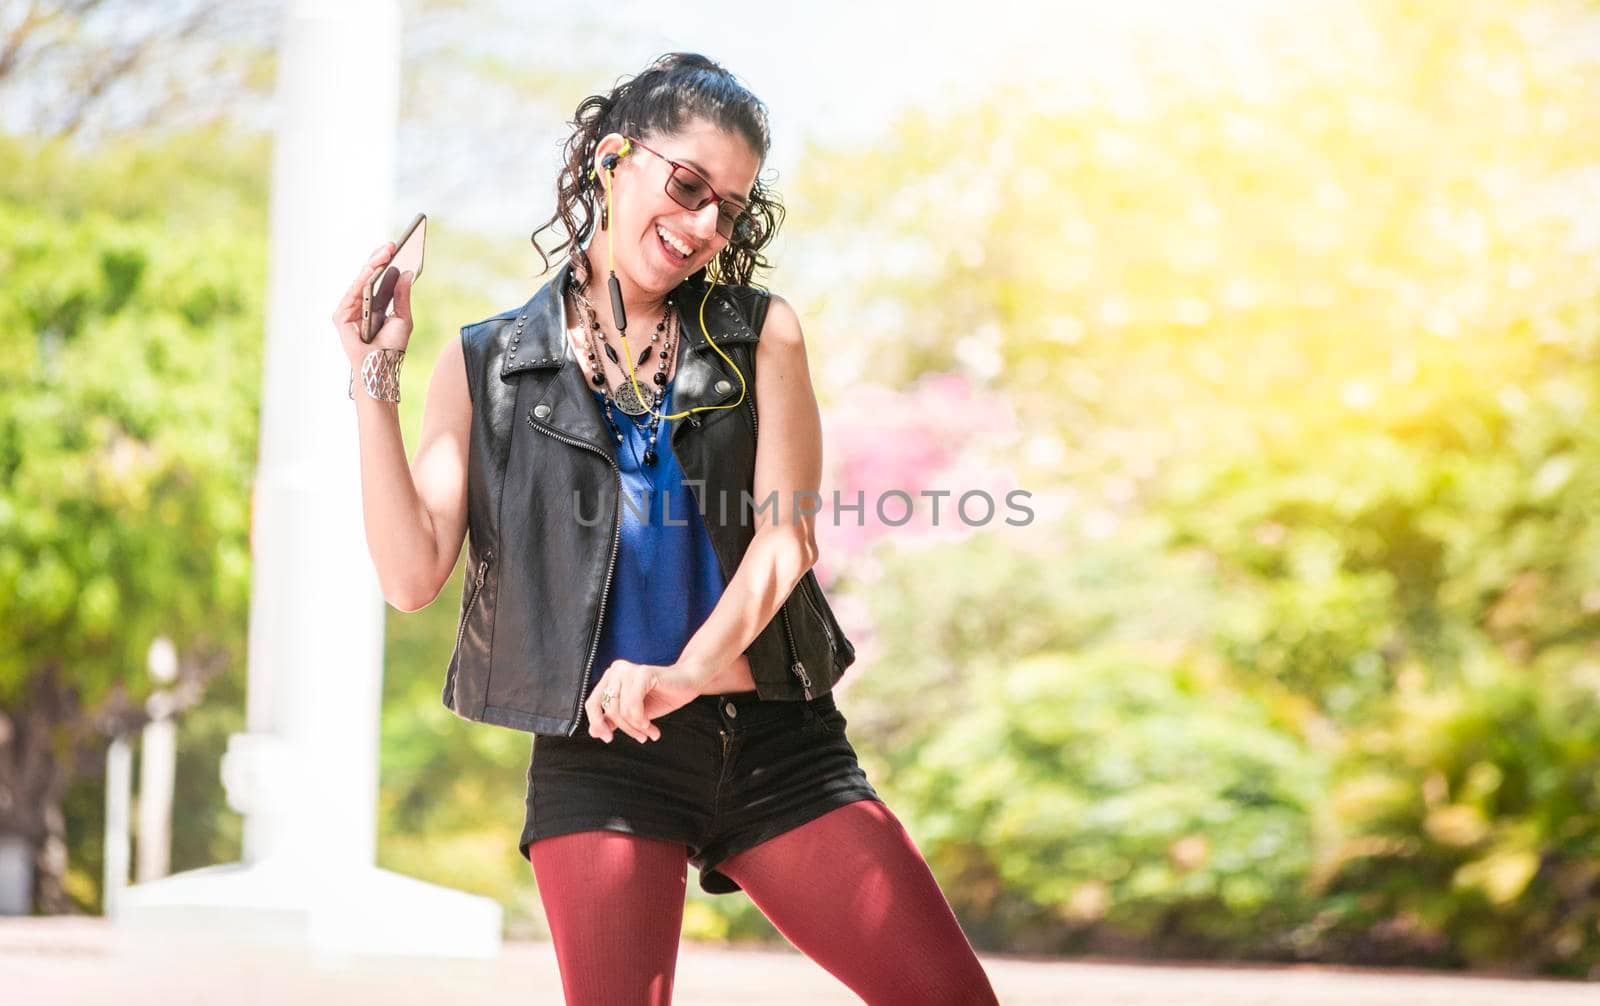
[673, 90]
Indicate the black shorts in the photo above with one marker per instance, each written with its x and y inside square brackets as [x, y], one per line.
[729, 772]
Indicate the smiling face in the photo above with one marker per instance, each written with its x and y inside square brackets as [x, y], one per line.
[649, 226]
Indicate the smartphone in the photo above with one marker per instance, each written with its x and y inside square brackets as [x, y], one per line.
[377, 299]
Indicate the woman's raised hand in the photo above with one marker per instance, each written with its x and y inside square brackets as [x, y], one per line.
[396, 330]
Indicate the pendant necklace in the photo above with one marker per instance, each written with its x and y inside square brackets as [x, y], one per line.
[625, 399]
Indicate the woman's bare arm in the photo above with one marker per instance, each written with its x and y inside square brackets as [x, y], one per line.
[788, 467]
[416, 514]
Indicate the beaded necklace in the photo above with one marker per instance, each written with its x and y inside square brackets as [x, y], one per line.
[625, 400]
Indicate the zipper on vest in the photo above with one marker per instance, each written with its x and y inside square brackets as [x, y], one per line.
[797, 667]
[611, 567]
[477, 588]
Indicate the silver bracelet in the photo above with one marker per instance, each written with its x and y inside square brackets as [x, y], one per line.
[380, 374]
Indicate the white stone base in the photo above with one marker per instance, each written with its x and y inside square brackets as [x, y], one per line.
[358, 910]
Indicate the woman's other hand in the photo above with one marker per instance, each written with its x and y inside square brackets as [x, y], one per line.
[642, 692]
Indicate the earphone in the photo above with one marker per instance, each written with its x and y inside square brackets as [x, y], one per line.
[609, 163]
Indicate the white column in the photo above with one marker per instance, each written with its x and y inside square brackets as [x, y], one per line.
[158, 754]
[316, 616]
[306, 773]
[119, 784]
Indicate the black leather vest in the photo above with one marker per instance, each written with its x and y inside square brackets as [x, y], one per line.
[541, 469]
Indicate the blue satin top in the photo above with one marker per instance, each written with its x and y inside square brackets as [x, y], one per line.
[667, 578]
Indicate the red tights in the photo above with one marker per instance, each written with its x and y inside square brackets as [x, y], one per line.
[849, 889]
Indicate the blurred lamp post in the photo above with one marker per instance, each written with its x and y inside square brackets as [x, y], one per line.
[158, 762]
[157, 770]
[119, 783]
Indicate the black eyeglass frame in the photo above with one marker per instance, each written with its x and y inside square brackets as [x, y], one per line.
[742, 220]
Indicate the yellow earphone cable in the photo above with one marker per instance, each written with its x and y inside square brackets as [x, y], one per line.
[611, 254]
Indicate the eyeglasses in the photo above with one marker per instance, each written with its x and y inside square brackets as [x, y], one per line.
[690, 189]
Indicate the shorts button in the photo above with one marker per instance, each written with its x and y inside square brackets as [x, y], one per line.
[727, 707]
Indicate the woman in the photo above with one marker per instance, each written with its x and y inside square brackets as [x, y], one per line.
[576, 442]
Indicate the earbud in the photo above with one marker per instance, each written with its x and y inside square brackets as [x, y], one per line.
[609, 162]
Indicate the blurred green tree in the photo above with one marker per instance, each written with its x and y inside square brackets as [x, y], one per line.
[128, 408]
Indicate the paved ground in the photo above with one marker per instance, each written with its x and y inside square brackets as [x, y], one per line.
[85, 962]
